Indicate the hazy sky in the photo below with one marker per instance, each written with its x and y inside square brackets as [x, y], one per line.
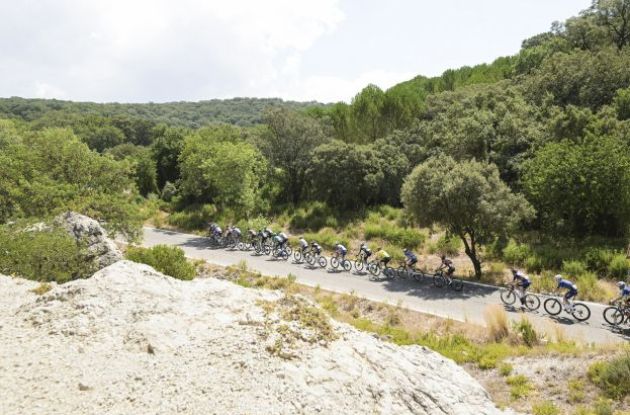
[176, 50]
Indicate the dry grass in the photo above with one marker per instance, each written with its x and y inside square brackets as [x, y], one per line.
[497, 322]
[42, 288]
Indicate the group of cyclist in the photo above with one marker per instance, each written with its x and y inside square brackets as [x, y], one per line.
[522, 282]
[280, 241]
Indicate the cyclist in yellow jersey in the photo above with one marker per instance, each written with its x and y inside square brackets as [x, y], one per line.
[383, 256]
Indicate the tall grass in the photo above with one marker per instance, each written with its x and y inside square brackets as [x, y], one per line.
[497, 322]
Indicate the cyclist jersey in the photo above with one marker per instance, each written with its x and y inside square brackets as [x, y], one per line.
[411, 256]
[448, 263]
[519, 276]
[218, 230]
[382, 255]
[317, 248]
[236, 231]
[625, 292]
[568, 285]
[367, 251]
[283, 236]
[303, 243]
[341, 249]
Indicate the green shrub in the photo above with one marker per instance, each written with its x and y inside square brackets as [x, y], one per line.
[404, 237]
[545, 408]
[313, 218]
[612, 377]
[519, 386]
[194, 217]
[573, 268]
[505, 369]
[446, 245]
[48, 255]
[533, 263]
[327, 237]
[526, 330]
[169, 260]
[515, 253]
[576, 391]
[598, 260]
[589, 289]
[603, 407]
[618, 266]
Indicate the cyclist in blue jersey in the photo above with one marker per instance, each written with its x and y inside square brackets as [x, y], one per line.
[410, 258]
[571, 288]
[624, 293]
[340, 250]
[521, 283]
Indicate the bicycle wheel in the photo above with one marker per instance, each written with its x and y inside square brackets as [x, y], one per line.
[389, 272]
[267, 249]
[581, 312]
[347, 265]
[457, 284]
[283, 254]
[374, 269]
[322, 262]
[552, 306]
[438, 280]
[334, 262]
[289, 250]
[532, 302]
[358, 265]
[402, 272]
[508, 297]
[297, 256]
[613, 316]
[310, 258]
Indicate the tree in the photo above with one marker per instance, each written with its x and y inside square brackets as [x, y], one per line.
[228, 173]
[167, 147]
[287, 143]
[468, 199]
[367, 110]
[615, 16]
[581, 188]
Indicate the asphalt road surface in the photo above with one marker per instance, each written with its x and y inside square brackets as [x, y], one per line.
[468, 305]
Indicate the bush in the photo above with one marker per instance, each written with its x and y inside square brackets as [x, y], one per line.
[405, 237]
[314, 217]
[169, 260]
[612, 377]
[598, 260]
[505, 369]
[533, 264]
[526, 331]
[519, 386]
[618, 266]
[515, 253]
[194, 217]
[545, 408]
[496, 321]
[48, 255]
[327, 237]
[446, 245]
[573, 268]
[589, 288]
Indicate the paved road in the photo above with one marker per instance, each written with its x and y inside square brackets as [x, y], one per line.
[468, 305]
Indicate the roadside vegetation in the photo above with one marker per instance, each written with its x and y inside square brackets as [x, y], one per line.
[531, 371]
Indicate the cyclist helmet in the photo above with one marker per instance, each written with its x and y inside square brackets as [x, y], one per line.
[558, 277]
[621, 284]
[406, 250]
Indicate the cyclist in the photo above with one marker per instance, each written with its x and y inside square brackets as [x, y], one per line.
[571, 288]
[624, 293]
[364, 251]
[252, 234]
[521, 283]
[448, 264]
[265, 234]
[315, 247]
[410, 258]
[303, 245]
[340, 250]
[382, 256]
[280, 241]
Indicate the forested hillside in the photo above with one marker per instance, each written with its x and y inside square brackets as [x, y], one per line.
[524, 160]
[237, 111]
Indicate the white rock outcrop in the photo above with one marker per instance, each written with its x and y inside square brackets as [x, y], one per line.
[83, 228]
[130, 340]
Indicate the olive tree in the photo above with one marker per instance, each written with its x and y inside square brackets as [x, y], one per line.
[469, 199]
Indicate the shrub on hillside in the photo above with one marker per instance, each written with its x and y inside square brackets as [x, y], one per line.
[445, 245]
[618, 266]
[405, 237]
[327, 237]
[613, 377]
[515, 253]
[598, 260]
[314, 217]
[573, 268]
[48, 255]
[193, 217]
[169, 260]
